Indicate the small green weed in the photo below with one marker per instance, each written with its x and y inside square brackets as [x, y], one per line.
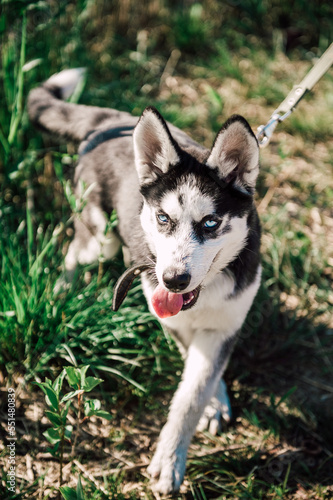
[60, 403]
[73, 494]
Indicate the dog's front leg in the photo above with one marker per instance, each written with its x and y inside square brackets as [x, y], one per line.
[204, 365]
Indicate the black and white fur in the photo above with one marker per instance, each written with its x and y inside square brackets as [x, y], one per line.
[188, 213]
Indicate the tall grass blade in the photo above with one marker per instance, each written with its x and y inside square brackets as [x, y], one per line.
[18, 106]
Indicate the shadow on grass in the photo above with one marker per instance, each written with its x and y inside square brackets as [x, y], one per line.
[282, 393]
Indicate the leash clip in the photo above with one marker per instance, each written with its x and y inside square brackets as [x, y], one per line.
[265, 132]
[324, 63]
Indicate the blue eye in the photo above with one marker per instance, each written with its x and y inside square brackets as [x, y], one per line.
[211, 224]
[162, 218]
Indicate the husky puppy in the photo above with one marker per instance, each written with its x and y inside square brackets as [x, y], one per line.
[187, 216]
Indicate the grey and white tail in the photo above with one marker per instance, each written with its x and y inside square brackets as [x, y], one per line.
[49, 112]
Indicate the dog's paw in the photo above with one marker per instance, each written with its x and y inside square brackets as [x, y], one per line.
[218, 409]
[167, 470]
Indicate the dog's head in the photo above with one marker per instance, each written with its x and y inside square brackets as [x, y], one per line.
[196, 204]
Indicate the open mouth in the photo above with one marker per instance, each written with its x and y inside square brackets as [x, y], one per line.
[166, 303]
[190, 298]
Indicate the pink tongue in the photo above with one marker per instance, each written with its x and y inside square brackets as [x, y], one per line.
[166, 303]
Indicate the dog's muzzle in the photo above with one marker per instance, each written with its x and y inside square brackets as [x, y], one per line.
[164, 303]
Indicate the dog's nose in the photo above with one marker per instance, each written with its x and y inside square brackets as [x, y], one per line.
[176, 282]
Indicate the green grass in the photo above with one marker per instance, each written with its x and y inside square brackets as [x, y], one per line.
[280, 443]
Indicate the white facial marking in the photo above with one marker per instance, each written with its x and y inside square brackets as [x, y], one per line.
[181, 249]
[171, 206]
[229, 245]
[193, 205]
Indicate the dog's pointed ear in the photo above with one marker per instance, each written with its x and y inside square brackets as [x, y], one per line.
[155, 150]
[235, 154]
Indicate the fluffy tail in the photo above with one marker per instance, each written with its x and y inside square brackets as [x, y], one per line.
[51, 114]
